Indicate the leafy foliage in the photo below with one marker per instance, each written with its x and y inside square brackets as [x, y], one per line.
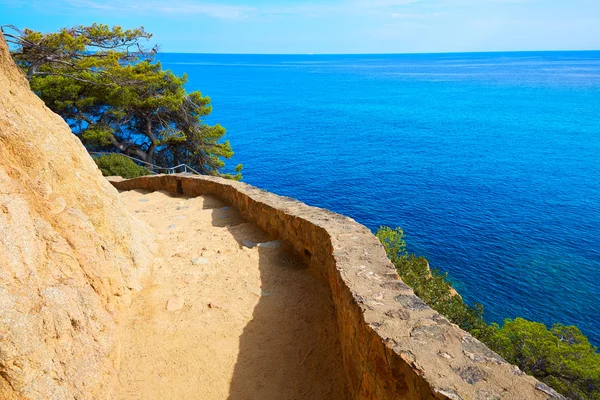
[562, 356]
[117, 165]
[106, 85]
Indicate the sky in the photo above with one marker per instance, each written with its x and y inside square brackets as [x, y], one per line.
[330, 26]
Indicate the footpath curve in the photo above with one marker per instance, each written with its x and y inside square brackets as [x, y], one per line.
[393, 346]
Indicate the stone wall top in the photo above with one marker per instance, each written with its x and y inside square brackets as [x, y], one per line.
[394, 346]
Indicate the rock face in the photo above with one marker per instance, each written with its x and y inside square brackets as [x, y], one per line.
[69, 254]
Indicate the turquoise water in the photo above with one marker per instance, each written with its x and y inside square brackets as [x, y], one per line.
[489, 162]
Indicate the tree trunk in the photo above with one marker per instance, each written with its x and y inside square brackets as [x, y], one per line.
[150, 134]
[134, 152]
[150, 153]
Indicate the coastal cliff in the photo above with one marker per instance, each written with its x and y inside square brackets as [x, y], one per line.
[70, 254]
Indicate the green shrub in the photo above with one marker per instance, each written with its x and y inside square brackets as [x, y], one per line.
[562, 357]
[118, 165]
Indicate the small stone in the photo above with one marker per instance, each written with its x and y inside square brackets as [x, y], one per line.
[427, 333]
[470, 374]
[542, 387]
[449, 393]
[408, 356]
[410, 359]
[403, 315]
[214, 305]
[174, 304]
[411, 302]
[143, 200]
[478, 351]
[474, 357]
[359, 299]
[486, 395]
[441, 320]
[179, 217]
[171, 226]
[395, 285]
[445, 355]
[200, 261]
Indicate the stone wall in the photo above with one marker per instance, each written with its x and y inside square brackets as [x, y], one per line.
[394, 346]
[70, 254]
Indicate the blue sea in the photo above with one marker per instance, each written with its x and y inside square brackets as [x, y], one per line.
[489, 162]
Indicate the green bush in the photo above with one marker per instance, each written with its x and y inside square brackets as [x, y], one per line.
[562, 357]
[118, 165]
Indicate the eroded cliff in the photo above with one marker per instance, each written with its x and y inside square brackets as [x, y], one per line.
[70, 254]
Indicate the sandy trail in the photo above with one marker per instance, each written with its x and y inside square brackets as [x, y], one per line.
[219, 320]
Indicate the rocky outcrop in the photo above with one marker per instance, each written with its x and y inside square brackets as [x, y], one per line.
[393, 345]
[69, 254]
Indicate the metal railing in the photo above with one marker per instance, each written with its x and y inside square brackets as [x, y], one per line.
[154, 168]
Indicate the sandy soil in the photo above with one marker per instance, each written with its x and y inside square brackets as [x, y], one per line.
[219, 320]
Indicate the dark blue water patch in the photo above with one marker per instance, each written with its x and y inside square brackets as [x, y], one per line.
[490, 162]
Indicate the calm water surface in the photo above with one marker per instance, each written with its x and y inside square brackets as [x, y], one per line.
[489, 162]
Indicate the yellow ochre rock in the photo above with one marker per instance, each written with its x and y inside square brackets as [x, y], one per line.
[70, 254]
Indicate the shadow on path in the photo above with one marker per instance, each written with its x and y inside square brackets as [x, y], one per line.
[289, 350]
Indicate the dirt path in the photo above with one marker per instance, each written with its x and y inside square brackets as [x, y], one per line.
[219, 320]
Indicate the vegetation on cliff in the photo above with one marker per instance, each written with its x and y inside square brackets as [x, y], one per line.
[118, 165]
[560, 356]
[116, 97]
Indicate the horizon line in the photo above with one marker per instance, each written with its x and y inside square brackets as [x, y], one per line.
[383, 54]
